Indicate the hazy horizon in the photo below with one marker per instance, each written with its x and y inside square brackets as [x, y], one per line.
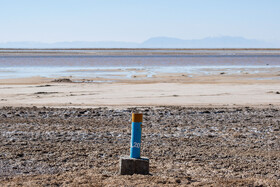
[142, 41]
[155, 42]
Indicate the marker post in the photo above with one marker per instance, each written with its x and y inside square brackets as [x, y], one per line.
[135, 164]
[136, 130]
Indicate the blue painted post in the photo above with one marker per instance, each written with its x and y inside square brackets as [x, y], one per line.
[136, 130]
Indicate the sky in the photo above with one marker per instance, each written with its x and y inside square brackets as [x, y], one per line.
[137, 20]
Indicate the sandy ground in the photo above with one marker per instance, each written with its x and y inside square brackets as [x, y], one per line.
[186, 146]
[119, 94]
[164, 89]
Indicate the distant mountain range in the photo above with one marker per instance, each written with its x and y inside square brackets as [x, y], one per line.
[156, 42]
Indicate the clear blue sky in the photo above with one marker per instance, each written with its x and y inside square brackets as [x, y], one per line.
[137, 20]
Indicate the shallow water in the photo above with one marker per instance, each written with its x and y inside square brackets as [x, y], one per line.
[129, 63]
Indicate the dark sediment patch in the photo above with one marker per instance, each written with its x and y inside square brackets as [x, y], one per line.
[44, 93]
[62, 80]
[47, 85]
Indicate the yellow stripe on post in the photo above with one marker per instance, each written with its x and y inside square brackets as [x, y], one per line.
[137, 117]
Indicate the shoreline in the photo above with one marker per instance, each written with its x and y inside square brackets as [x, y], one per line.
[140, 51]
[221, 49]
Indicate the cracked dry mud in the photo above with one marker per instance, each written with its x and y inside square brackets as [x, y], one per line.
[186, 146]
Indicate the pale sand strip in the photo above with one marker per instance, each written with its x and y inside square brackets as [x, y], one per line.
[123, 94]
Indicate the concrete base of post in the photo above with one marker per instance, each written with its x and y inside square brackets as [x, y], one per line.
[130, 166]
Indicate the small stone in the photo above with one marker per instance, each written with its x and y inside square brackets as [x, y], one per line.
[178, 181]
[20, 155]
